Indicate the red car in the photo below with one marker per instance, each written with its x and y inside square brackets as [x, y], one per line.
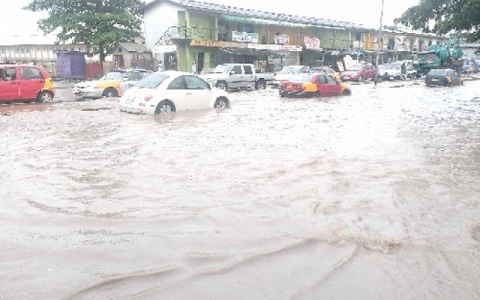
[359, 73]
[313, 85]
[25, 83]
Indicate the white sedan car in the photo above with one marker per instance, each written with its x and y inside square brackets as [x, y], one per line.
[171, 91]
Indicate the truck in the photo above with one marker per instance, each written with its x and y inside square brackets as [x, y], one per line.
[234, 76]
[439, 56]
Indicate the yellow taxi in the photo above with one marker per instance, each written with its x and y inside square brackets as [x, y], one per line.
[110, 85]
[314, 85]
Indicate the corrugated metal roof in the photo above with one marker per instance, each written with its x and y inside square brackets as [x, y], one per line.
[28, 40]
[245, 12]
[133, 47]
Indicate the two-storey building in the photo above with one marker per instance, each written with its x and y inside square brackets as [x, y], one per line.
[183, 32]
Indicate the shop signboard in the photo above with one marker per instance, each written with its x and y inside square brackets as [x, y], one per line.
[312, 43]
[244, 37]
[281, 39]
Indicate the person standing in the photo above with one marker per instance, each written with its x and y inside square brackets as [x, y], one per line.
[404, 70]
[194, 67]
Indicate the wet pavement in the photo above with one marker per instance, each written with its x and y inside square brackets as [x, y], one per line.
[372, 196]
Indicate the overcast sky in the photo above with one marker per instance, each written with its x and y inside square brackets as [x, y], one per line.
[366, 12]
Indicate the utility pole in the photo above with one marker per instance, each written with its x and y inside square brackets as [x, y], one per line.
[379, 44]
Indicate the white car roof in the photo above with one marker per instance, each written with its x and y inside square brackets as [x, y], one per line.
[175, 73]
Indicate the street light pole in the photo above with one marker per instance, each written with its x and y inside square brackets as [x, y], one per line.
[379, 43]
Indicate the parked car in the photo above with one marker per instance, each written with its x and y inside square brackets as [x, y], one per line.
[129, 79]
[359, 73]
[411, 71]
[313, 85]
[326, 71]
[288, 72]
[107, 86]
[171, 91]
[25, 83]
[470, 66]
[445, 77]
[391, 71]
[238, 76]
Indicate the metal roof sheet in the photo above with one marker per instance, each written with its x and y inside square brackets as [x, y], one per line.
[246, 12]
[133, 47]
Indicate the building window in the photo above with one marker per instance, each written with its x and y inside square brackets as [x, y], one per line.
[358, 36]
[391, 44]
[248, 27]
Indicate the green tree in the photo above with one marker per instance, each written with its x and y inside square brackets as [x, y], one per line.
[444, 16]
[91, 22]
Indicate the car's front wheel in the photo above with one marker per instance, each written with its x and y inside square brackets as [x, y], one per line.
[221, 103]
[346, 93]
[110, 92]
[261, 84]
[222, 85]
[44, 96]
[164, 107]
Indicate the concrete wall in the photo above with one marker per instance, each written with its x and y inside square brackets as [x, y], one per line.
[158, 19]
[38, 53]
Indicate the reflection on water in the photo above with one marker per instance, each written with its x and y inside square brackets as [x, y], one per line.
[8, 109]
[361, 196]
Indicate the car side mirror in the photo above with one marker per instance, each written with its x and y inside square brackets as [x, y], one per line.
[232, 72]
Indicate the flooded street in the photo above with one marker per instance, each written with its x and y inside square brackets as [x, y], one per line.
[372, 196]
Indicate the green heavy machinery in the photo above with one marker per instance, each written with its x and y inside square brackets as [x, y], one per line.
[439, 56]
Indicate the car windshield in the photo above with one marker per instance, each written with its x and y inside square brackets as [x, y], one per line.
[133, 76]
[152, 81]
[302, 78]
[383, 67]
[437, 72]
[427, 56]
[113, 76]
[321, 70]
[221, 69]
[289, 70]
[355, 68]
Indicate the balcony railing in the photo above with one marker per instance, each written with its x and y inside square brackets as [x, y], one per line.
[186, 33]
[175, 33]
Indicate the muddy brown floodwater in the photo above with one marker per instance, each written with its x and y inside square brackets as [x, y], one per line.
[373, 196]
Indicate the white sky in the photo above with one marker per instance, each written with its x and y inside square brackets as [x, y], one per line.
[366, 12]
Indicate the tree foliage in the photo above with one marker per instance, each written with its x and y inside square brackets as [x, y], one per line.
[444, 16]
[92, 22]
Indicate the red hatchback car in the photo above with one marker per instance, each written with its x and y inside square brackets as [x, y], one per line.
[25, 83]
[359, 73]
